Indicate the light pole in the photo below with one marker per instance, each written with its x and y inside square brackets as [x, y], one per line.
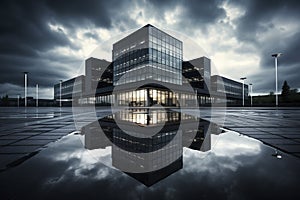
[37, 95]
[251, 93]
[196, 97]
[276, 55]
[18, 100]
[60, 83]
[25, 88]
[243, 79]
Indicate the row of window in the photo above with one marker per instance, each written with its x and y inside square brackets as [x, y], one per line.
[119, 52]
[138, 56]
[164, 58]
[148, 73]
[155, 159]
[155, 116]
[165, 47]
[159, 63]
[105, 99]
[139, 98]
[159, 35]
[67, 89]
[149, 70]
[229, 88]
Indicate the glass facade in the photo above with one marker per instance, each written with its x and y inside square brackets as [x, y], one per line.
[104, 100]
[145, 117]
[147, 97]
[197, 72]
[139, 98]
[148, 53]
[151, 54]
[232, 89]
[165, 56]
[72, 87]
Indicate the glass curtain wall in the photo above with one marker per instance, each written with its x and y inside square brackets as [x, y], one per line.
[148, 97]
[165, 57]
[151, 55]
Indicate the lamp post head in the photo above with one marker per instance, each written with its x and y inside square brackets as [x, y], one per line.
[25, 72]
[243, 78]
[276, 55]
[250, 83]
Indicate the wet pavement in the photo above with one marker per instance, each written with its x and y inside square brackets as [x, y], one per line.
[42, 157]
[24, 132]
[213, 165]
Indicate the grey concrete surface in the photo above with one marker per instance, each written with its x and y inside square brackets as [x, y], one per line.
[25, 131]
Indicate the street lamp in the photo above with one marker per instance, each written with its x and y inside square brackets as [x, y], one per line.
[251, 93]
[243, 79]
[18, 100]
[276, 55]
[37, 95]
[25, 88]
[60, 83]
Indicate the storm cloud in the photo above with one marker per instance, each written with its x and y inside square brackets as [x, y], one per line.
[51, 39]
[271, 27]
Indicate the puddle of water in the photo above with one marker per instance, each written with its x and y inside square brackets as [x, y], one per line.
[200, 163]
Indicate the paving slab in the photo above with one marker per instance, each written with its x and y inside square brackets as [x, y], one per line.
[6, 142]
[45, 137]
[18, 149]
[13, 137]
[30, 142]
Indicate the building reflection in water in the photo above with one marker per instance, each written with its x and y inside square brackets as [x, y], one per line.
[147, 144]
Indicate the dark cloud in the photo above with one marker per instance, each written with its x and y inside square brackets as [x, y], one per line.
[204, 12]
[41, 70]
[288, 63]
[259, 14]
[91, 13]
[289, 46]
[195, 13]
[25, 31]
[92, 35]
[265, 25]
[27, 38]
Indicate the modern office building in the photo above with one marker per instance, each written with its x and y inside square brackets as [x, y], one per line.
[233, 90]
[147, 68]
[197, 73]
[148, 53]
[146, 64]
[99, 81]
[68, 90]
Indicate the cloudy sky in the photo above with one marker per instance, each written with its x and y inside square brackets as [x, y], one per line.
[51, 39]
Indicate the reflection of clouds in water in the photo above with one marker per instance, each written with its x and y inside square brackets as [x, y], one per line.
[92, 172]
[69, 148]
[243, 175]
[82, 163]
[99, 155]
[224, 155]
[230, 145]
